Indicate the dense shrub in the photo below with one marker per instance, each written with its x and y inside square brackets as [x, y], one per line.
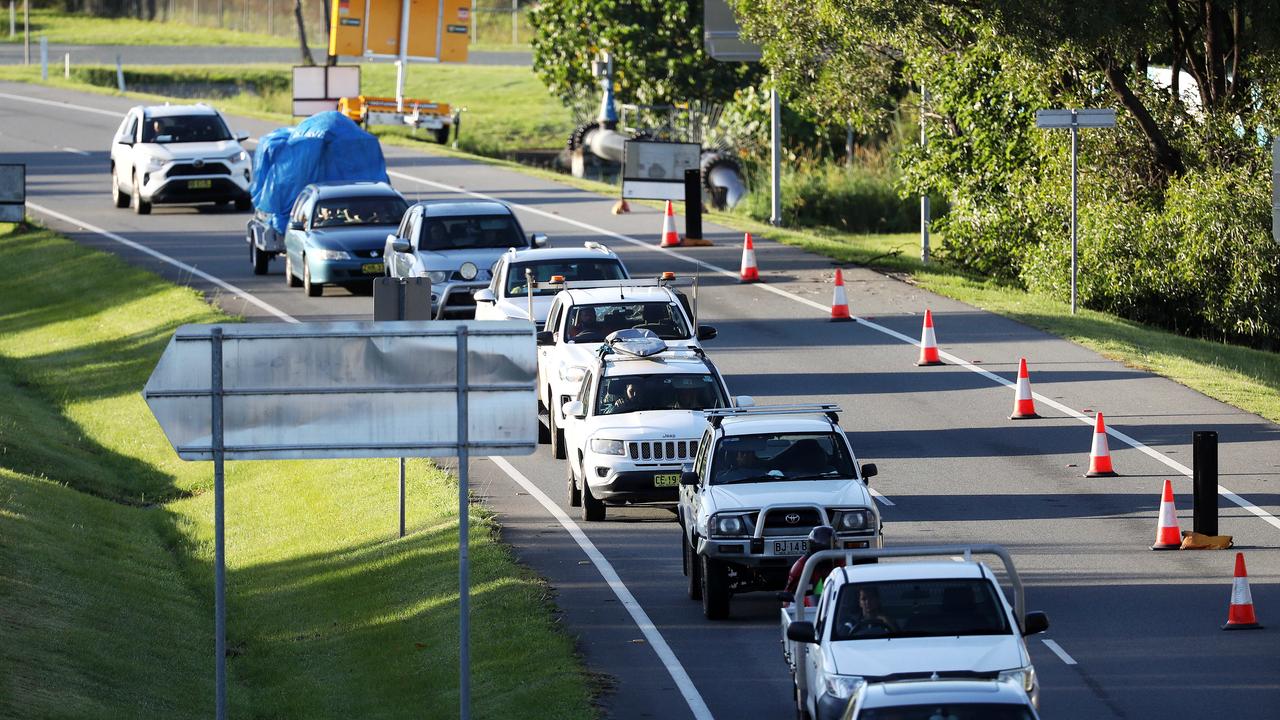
[853, 199]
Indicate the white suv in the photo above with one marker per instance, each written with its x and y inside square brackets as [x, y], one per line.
[583, 315]
[635, 420]
[510, 295]
[763, 478]
[179, 154]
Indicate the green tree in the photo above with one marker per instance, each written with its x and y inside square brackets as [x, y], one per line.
[656, 47]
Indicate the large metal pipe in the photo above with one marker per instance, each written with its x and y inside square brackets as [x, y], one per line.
[605, 143]
[727, 176]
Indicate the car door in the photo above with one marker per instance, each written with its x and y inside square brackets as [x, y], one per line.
[691, 495]
[490, 310]
[574, 428]
[295, 240]
[404, 262]
[544, 352]
[814, 672]
[122, 149]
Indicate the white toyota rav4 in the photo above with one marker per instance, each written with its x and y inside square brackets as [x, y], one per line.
[583, 315]
[635, 420]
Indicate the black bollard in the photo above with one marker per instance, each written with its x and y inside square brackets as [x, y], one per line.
[1204, 478]
[693, 204]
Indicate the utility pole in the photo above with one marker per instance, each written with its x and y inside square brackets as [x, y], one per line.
[924, 197]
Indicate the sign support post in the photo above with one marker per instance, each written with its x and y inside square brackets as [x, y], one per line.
[924, 197]
[464, 531]
[219, 538]
[775, 158]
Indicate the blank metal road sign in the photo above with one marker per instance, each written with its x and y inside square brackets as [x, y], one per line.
[1049, 119]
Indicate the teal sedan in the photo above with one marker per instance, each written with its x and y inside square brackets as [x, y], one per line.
[336, 235]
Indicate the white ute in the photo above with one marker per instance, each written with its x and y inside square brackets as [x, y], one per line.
[944, 618]
[583, 315]
[762, 479]
[635, 420]
[525, 282]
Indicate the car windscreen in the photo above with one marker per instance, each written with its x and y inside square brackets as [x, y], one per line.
[780, 457]
[948, 711]
[943, 607]
[633, 393]
[344, 212]
[593, 323]
[184, 129]
[466, 232]
[570, 269]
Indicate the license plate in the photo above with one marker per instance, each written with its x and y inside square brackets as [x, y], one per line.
[372, 268]
[790, 547]
[199, 184]
[666, 480]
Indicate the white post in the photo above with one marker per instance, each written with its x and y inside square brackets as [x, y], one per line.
[119, 74]
[26, 32]
[1075, 134]
[515, 13]
[44, 59]
[13, 19]
[924, 197]
[775, 155]
[66, 66]
[473, 20]
[404, 54]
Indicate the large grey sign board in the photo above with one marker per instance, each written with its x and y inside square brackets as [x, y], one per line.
[348, 389]
[1051, 119]
[13, 193]
[655, 170]
[721, 34]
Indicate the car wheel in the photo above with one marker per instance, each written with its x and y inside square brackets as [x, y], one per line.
[592, 509]
[557, 437]
[119, 198]
[575, 495]
[691, 568]
[140, 206]
[310, 288]
[715, 589]
[290, 279]
[259, 259]
[244, 204]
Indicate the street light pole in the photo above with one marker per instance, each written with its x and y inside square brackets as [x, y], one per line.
[1075, 147]
[924, 197]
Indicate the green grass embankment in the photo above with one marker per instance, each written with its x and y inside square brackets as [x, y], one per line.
[74, 29]
[106, 543]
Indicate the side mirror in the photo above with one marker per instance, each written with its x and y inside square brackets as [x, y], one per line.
[706, 332]
[401, 246]
[689, 478]
[801, 631]
[1035, 622]
[538, 239]
[869, 471]
[295, 225]
[241, 137]
[545, 337]
[484, 295]
[573, 408]
[744, 401]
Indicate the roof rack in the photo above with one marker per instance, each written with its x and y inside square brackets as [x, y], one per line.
[716, 415]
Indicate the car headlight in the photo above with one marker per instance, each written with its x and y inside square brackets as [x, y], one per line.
[729, 526]
[330, 254]
[852, 520]
[468, 271]
[239, 156]
[155, 163]
[572, 373]
[438, 276]
[607, 447]
[1024, 676]
[843, 686]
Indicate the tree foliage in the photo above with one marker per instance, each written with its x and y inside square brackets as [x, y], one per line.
[656, 47]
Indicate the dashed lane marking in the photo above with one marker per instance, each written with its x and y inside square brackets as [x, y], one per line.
[1057, 650]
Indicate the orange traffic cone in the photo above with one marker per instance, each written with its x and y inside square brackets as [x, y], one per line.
[840, 303]
[1240, 615]
[669, 236]
[748, 272]
[1024, 406]
[1100, 455]
[928, 343]
[1167, 535]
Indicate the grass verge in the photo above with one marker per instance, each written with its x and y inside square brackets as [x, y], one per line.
[74, 29]
[106, 543]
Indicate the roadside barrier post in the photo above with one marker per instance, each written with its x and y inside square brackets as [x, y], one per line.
[119, 74]
[44, 58]
[693, 204]
[13, 19]
[66, 66]
[219, 534]
[1204, 478]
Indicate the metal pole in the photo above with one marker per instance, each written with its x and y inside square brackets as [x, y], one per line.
[401, 497]
[924, 197]
[515, 33]
[44, 59]
[13, 19]
[775, 157]
[219, 556]
[66, 66]
[693, 204]
[464, 522]
[26, 32]
[1075, 134]
[473, 20]
[119, 74]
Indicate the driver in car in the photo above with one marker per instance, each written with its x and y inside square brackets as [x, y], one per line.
[584, 326]
[872, 614]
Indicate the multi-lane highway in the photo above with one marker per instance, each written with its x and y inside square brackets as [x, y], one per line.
[1134, 634]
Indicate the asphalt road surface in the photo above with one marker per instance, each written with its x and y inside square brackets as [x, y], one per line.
[1134, 634]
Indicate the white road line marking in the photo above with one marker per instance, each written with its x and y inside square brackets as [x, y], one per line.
[64, 105]
[1057, 650]
[883, 500]
[641, 618]
[74, 151]
[165, 258]
[733, 274]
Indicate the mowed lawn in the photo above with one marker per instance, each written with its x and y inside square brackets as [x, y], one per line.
[74, 29]
[106, 543]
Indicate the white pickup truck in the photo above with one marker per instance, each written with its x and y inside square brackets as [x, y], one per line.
[762, 479]
[885, 622]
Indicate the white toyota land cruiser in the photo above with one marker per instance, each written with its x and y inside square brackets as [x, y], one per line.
[762, 479]
[583, 315]
[935, 618]
[635, 420]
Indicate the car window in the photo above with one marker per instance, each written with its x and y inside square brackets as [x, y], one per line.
[553, 318]
[700, 462]
[944, 607]
[128, 131]
[593, 323]
[463, 232]
[185, 129]
[632, 393]
[355, 211]
[781, 456]
[299, 213]
[949, 711]
[580, 269]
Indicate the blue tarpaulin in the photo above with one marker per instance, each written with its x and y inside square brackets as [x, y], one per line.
[326, 147]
